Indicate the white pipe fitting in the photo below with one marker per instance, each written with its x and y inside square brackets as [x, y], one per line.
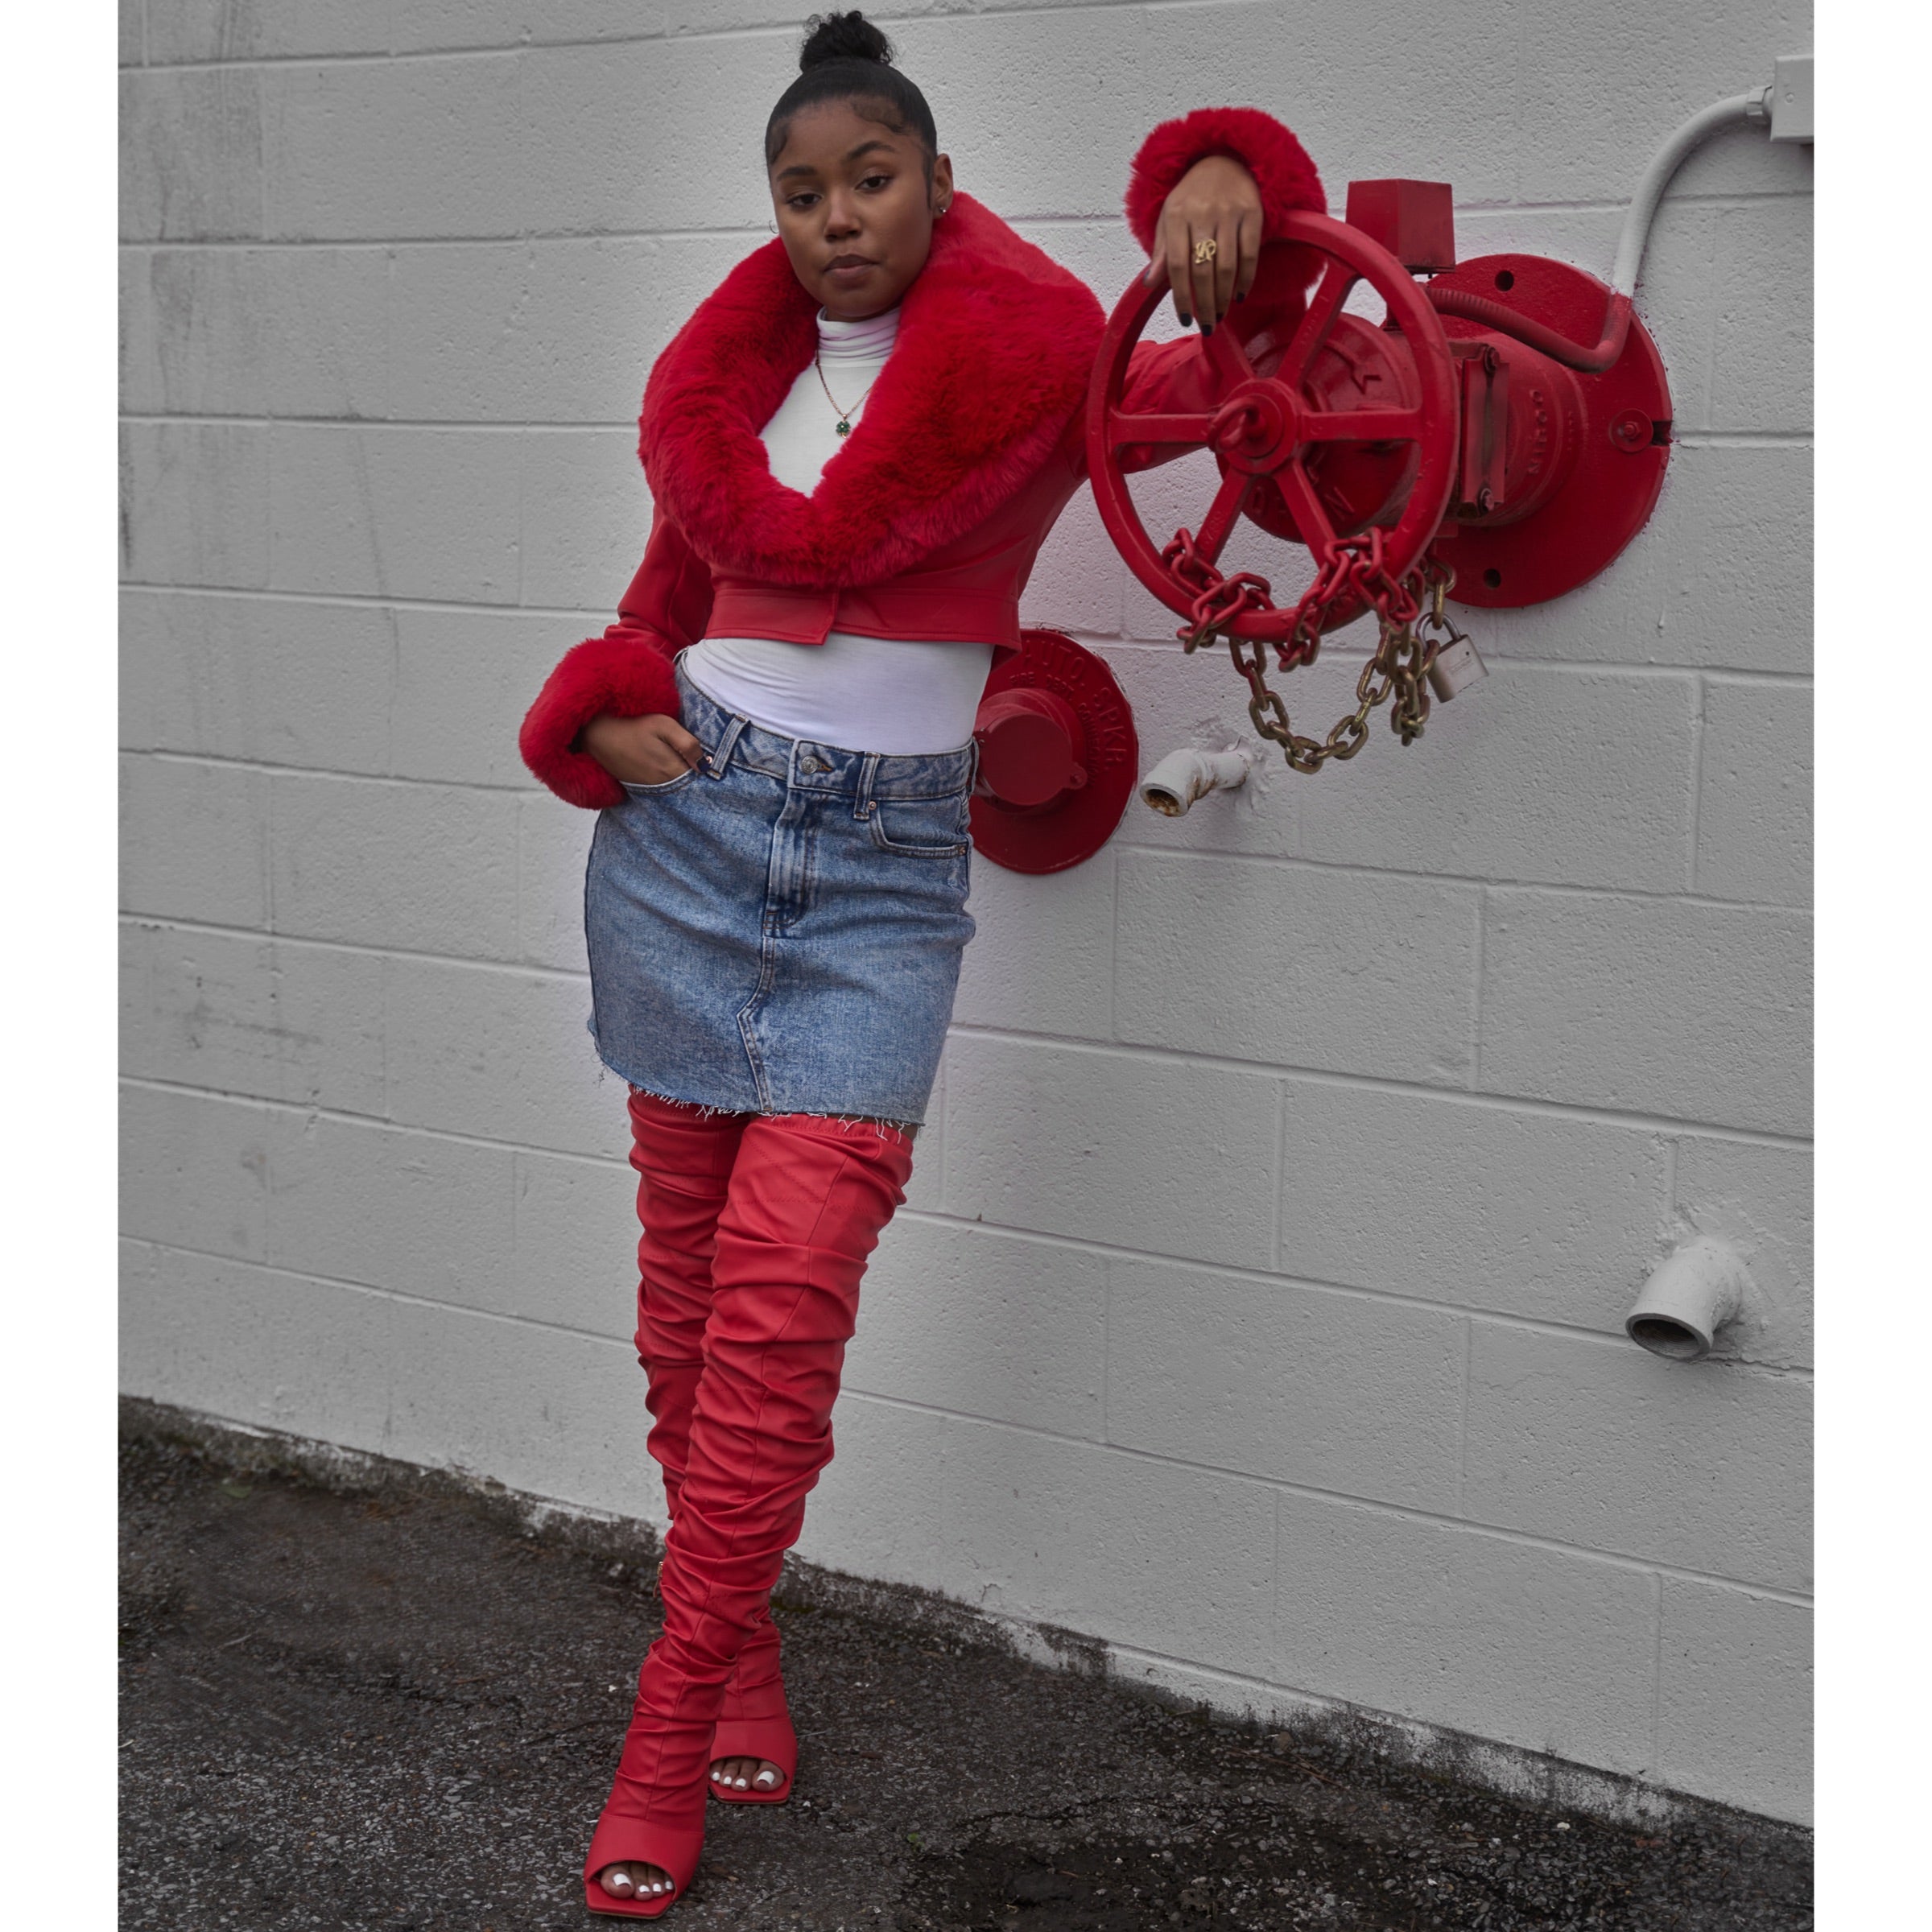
[1687, 1299]
[1185, 775]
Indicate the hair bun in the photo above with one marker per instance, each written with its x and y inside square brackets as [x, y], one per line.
[843, 37]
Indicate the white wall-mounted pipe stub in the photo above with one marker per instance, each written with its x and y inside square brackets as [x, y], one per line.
[1688, 1298]
[1185, 775]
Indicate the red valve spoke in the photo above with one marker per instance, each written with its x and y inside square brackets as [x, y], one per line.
[1362, 425]
[1222, 512]
[1229, 359]
[1324, 305]
[1310, 517]
[1125, 427]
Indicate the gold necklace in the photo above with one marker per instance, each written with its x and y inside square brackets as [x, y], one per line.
[844, 415]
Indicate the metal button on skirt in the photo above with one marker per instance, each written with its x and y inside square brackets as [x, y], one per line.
[779, 930]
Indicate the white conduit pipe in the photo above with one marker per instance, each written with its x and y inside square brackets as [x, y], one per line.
[1664, 163]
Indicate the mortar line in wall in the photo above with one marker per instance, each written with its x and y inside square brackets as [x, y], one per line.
[1106, 1348]
[1326, 1076]
[523, 529]
[1715, 266]
[1697, 791]
[1703, 439]
[1718, 674]
[1151, 647]
[665, 37]
[1278, 1278]
[379, 1292]
[1475, 988]
[468, 425]
[1554, 888]
[1161, 1055]
[1274, 1279]
[1105, 640]
[167, 755]
[1113, 943]
[1106, 219]
[363, 599]
[266, 936]
[1404, 1512]
[1342, 1498]
[347, 1116]
[1462, 1419]
[1657, 1677]
[1278, 1232]
[1345, 655]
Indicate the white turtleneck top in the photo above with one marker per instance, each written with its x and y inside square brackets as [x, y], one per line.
[892, 694]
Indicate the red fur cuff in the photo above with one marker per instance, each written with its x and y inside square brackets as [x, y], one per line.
[621, 671]
[1279, 164]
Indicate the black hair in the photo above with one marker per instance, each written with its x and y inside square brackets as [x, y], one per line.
[846, 58]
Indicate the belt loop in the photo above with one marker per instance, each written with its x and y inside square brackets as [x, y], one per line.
[869, 770]
[719, 760]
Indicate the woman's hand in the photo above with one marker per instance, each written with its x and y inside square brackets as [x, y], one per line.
[651, 750]
[1215, 201]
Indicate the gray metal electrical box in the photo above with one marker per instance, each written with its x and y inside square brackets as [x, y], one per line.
[1791, 99]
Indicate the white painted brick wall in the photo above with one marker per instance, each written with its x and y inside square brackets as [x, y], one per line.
[1258, 1307]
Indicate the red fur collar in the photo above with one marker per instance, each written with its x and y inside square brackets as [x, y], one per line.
[995, 345]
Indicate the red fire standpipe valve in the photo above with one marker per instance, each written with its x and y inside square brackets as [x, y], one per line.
[1057, 755]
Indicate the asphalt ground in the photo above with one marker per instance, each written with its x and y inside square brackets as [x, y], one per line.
[371, 1698]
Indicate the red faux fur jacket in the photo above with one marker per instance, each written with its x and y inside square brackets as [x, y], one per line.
[926, 522]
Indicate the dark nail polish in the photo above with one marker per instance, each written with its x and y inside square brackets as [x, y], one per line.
[1241, 296]
[1187, 321]
[1207, 329]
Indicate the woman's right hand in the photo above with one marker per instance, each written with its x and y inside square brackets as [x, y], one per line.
[649, 750]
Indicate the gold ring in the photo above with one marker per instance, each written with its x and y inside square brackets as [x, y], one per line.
[1204, 251]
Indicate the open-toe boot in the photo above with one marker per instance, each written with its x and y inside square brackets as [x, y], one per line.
[655, 1813]
[754, 1721]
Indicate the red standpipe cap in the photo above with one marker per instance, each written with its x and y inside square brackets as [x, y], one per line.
[1031, 748]
[1059, 757]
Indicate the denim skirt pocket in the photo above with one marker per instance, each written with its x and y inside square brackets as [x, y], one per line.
[921, 829]
[658, 791]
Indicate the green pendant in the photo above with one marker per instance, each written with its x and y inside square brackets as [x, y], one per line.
[844, 429]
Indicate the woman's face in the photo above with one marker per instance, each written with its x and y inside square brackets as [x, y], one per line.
[853, 209]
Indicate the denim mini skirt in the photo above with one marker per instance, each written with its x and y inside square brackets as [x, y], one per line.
[779, 930]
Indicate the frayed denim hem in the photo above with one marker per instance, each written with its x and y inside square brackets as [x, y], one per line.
[908, 1129]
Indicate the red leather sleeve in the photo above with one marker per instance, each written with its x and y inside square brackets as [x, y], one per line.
[1279, 164]
[627, 671]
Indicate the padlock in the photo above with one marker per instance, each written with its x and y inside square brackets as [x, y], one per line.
[1456, 667]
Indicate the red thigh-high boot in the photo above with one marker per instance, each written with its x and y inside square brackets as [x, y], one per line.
[807, 1199]
[683, 1156]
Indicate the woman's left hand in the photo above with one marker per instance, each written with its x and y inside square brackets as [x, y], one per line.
[1215, 212]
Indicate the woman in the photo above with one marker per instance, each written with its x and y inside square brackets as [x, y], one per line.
[777, 734]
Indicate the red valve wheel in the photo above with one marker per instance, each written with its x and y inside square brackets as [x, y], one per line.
[1265, 420]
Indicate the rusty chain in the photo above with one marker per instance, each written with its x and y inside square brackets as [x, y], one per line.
[1352, 572]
